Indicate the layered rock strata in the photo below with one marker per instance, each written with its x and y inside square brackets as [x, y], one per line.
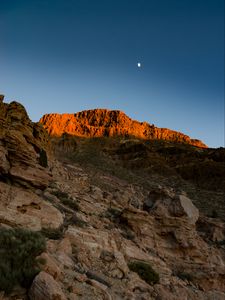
[22, 145]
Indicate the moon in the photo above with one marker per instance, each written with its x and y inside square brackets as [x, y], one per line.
[139, 65]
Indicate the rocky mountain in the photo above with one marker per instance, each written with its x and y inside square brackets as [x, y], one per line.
[103, 122]
[108, 217]
[23, 170]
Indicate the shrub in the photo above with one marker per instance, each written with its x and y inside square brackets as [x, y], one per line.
[145, 271]
[75, 220]
[53, 233]
[70, 203]
[43, 160]
[184, 276]
[113, 213]
[128, 234]
[60, 194]
[66, 200]
[18, 251]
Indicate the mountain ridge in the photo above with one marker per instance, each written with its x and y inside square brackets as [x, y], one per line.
[119, 218]
[105, 122]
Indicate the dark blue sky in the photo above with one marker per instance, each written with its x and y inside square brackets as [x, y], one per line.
[71, 55]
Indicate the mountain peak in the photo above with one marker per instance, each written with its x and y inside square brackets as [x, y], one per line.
[104, 122]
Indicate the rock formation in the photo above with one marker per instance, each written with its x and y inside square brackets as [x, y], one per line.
[21, 145]
[102, 122]
[99, 217]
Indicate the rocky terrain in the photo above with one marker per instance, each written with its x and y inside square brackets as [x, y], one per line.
[123, 217]
[102, 122]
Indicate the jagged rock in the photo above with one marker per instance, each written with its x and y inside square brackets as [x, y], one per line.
[103, 122]
[4, 164]
[23, 208]
[125, 222]
[2, 98]
[30, 176]
[45, 287]
[190, 210]
[163, 202]
[211, 229]
[102, 287]
[21, 143]
[50, 266]
[91, 244]
[65, 246]
[169, 238]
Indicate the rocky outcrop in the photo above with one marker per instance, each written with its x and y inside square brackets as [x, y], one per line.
[23, 208]
[21, 145]
[99, 220]
[161, 202]
[23, 148]
[45, 287]
[161, 228]
[102, 122]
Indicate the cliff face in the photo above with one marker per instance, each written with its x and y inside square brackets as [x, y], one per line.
[102, 122]
[21, 145]
[23, 171]
[118, 222]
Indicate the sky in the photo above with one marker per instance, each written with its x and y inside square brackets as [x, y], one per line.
[70, 55]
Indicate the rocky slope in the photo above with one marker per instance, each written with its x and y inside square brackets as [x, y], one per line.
[102, 122]
[23, 145]
[112, 233]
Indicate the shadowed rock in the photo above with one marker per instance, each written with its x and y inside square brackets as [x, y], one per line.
[21, 144]
[1, 98]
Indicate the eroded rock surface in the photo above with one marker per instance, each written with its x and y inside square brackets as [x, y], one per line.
[23, 208]
[94, 256]
[45, 287]
[103, 122]
[21, 143]
[97, 224]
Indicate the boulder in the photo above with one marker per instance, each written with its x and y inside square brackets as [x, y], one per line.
[44, 287]
[189, 209]
[50, 266]
[163, 202]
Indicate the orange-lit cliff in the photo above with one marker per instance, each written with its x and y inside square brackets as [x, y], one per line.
[103, 122]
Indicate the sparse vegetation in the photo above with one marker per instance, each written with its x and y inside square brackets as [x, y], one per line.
[145, 271]
[96, 152]
[60, 194]
[116, 216]
[75, 220]
[128, 234]
[113, 213]
[184, 276]
[170, 163]
[221, 243]
[70, 203]
[66, 200]
[18, 251]
[53, 233]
